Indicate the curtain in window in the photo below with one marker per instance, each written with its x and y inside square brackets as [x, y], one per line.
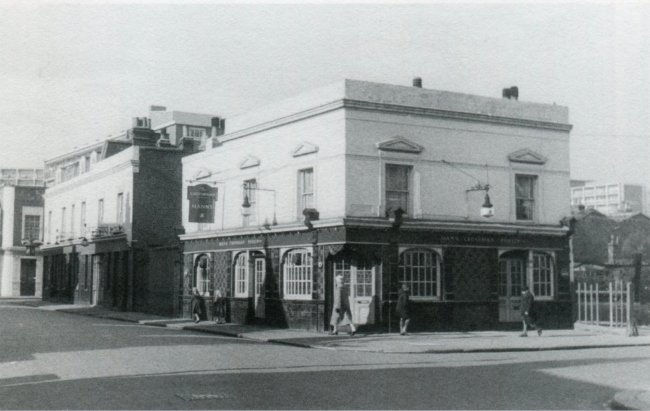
[397, 187]
[524, 195]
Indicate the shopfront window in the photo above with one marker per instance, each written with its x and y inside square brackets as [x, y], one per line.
[542, 275]
[420, 270]
[241, 275]
[298, 275]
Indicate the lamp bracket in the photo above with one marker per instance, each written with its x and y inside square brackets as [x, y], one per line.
[479, 187]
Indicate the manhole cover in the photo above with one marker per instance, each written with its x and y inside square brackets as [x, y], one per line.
[202, 397]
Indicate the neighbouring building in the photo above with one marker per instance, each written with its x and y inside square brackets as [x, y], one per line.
[21, 225]
[386, 185]
[616, 200]
[606, 248]
[112, 212]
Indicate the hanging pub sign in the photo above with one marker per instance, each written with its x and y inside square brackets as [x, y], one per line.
[202, 199]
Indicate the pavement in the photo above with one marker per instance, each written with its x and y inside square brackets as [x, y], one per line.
[581, 337]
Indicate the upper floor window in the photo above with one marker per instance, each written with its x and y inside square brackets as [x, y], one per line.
[63, 212]
[420, 270]
[69, 171]
[32, 227]
[196, 132]
[525, 196]
[72, 221]
[305, 190]
[82, 222]
[250, 193]
[100, 211]
[298, 275]
[120, 208]
[397, 187]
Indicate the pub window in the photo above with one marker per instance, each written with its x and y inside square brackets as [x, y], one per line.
[250, 192]
[397, 187]
[298, 275]
[305, 190]
[420, 270]
[525, 196]
[241, 275]
[32, 227]
[120, 208]
[203, 275]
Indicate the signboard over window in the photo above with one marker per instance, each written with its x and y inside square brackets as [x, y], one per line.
[202, 202]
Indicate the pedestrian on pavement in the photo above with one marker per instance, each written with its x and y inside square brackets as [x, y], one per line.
[197, 305]
[341, 313]
[403, 309]
[219, 307]
[528, 312]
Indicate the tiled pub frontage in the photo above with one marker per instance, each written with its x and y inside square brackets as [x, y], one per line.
[462, 276]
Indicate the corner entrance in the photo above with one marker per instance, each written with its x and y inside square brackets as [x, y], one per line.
[27, 277]
[359, 277]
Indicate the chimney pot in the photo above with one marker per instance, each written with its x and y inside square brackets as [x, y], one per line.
[417, 82]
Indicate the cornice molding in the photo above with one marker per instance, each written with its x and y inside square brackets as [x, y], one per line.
[73, 184]
[454, 115]
[390, 108]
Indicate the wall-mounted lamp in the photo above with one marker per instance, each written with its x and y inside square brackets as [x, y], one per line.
[396, 217]
[487, 209]
[31, 245]
[84, 242]
[246, 205]
[311, 214]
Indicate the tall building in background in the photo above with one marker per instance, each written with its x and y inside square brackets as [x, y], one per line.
[617, 200]
[21, 231]
[112, 211]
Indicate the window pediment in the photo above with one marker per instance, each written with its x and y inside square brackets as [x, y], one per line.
[305, 148]
[202, 174]
[527, 156]
[400, 144]
[249, 161]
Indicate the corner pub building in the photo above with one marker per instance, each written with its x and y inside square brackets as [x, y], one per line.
[459, 196]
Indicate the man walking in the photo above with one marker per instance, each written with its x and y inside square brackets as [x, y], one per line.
[528, 312]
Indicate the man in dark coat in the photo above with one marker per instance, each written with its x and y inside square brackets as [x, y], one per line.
[197, 305]
[528, 312]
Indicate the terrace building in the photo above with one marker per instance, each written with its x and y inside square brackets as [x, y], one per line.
[112, 211]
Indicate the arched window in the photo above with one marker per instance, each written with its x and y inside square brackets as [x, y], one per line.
[298, 275]
[202, 276]
[420, 270]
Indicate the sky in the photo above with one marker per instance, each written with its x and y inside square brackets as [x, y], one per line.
[71, 74]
